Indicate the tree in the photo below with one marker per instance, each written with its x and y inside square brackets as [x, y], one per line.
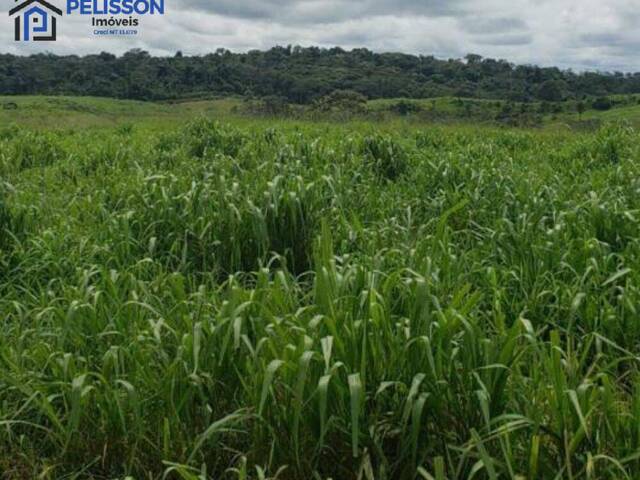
[301, 75]
[473, 59]
[552, 91]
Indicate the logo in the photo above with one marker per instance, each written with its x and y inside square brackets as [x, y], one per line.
[35, 20]
[115, 17]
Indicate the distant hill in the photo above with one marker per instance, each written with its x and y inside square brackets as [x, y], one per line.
[300, 75]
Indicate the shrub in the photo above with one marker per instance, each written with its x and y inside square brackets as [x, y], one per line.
[602, 103]
[341, 102]
[273, 105]
[405, 108]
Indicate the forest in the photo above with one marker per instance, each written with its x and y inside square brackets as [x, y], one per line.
[300, 75]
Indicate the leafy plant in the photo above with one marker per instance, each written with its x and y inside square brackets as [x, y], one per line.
[385, 156]
[204, 136]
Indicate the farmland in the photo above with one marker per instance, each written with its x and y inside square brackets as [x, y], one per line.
[186, 293]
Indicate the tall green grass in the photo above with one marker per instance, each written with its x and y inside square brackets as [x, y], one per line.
[309, 301]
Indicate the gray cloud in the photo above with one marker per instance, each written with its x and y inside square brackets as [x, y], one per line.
[579, 34]
[506, 40]
[609, 40]
[491, 26]
[327, 11]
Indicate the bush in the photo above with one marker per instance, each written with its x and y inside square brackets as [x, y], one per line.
[602, 103]
[341, 101]
[273, 106]
[405, 108]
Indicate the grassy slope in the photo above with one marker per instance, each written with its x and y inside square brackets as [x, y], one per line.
[452, 106]
[82, 112]
[631, 114]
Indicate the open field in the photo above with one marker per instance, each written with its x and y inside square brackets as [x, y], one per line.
[186, 298]
[83, 112]
[60, 112]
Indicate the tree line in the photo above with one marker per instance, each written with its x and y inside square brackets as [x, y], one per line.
[300, 75]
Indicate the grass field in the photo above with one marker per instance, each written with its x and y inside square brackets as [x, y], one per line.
[186, 294]
[59, 112]
[85, 112]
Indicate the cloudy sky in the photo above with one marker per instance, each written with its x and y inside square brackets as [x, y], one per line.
[578, 34]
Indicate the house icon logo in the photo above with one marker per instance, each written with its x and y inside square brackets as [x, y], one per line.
[35, 20]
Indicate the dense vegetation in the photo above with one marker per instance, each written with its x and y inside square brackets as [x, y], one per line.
[300, 75]
[311, 301]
